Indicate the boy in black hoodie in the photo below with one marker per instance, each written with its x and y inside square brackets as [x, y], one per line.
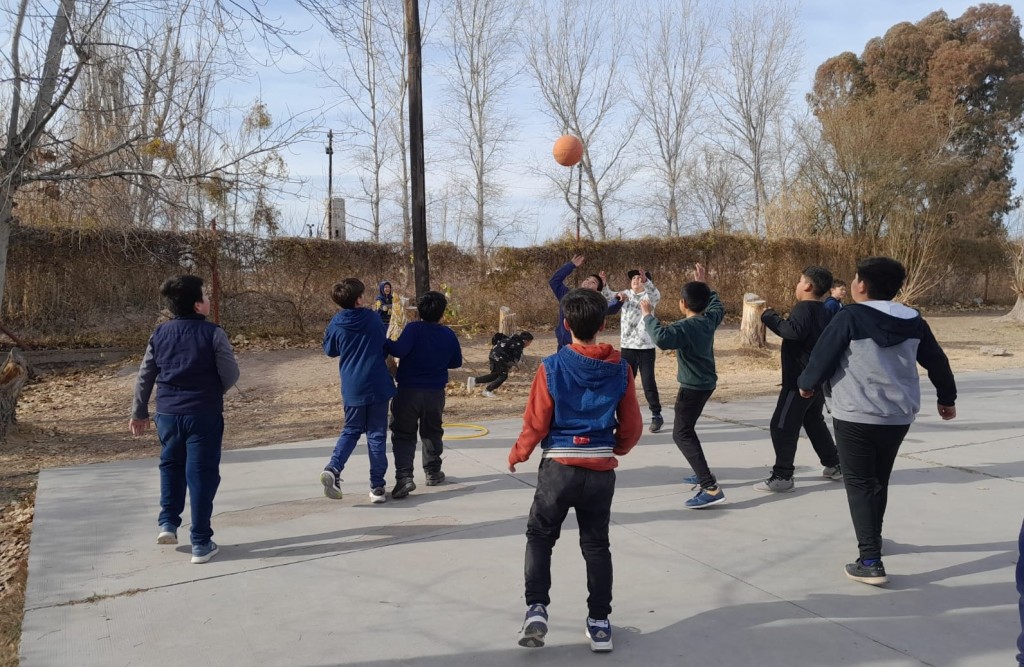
[799, 333]
[867, 359]
[506, 351]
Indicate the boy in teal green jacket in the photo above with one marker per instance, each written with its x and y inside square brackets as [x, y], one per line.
[693, 339]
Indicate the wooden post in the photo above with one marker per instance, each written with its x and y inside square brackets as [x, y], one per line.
[507, 321]
[752, 330]
[12, 378]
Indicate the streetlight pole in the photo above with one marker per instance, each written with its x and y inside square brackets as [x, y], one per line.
[421, 262]
[330, 182]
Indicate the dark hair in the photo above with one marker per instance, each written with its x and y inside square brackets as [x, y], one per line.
[820, 277]
[525, 335]
[584, 311]
[883, 277]
[431, 306]
[836, 282]
[600, 282]
[347, 292]
[696, 295]
[182, 293]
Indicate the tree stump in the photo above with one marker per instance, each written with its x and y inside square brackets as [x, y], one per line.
[752, 330]
[507, 321]
[12, 378]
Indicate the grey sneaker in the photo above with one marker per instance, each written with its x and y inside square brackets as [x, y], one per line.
[775, 484]
[378, 495]
[833, 472]
[488, 394]
[867, 574]
[202, 553]
[470, 384]
[168, 535]
[331, 479]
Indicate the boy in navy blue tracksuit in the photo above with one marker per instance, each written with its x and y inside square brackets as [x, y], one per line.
[192, 365]
[583, 412]
[867, 359]
[355, 336]
[427, 349]
[558, 287]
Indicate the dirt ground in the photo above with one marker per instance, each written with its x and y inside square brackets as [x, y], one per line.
[290, 392]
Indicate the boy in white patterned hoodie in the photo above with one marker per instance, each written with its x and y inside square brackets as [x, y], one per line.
[637, 347]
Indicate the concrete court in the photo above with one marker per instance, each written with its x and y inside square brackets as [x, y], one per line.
[436, 579]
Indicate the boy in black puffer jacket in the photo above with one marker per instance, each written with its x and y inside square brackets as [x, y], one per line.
[505, 351]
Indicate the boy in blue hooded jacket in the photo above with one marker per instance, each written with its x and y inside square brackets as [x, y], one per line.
[384, 303]
[356, 337]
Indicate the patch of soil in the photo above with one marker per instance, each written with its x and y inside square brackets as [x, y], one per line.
[291, 392]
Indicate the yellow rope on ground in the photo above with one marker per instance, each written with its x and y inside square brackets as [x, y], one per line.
[479, 431]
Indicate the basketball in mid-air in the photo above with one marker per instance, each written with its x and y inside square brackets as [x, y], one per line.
[568, 150]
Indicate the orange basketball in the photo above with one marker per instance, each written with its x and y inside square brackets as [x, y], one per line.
[568, 150]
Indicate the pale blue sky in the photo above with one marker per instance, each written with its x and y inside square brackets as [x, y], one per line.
[828, 27]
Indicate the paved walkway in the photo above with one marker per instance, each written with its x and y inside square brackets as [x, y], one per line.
[436, 579]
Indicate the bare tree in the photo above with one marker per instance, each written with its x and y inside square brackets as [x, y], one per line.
[761, 58]
[576, 60]
[714, 190]
[48, 51]
[481, 44]
[1015, 252]
[670, 58]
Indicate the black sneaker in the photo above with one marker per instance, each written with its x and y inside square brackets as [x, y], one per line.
[867, 574]
[403, 487]
[435, 478]
[656, 423]
[331, 479]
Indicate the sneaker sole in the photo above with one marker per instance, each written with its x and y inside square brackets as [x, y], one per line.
[327, 479]
[870, 581]
[378, 500]
[199, 560]
[167, 538]
[598, 647]
[436, 482]
[705, 505]
[764, 489]
[834, 478]
[532, 636]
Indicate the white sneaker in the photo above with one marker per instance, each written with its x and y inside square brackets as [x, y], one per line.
[488, 394]
[378, 495]
[470, 384]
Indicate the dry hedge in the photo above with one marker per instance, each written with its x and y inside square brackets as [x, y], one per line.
[101, 287]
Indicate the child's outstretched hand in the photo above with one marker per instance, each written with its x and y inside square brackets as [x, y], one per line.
[699, 273]
[577, 259]
[511, 467]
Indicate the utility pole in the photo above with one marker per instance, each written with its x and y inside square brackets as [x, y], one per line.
[421, 263]
[330, 181]
[579, 199]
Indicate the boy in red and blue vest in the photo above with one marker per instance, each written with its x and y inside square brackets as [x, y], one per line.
[192, 365]
[583, 411]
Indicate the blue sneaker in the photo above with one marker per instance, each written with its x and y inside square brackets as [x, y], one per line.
[600, 635]
[168, 534]
[535, 626]
[331, 479]
[706, 498]
[202, 553]
[692, 480]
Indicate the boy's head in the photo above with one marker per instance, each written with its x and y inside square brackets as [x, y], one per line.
[584, 312]
[694, 297]
[184, 296]
[431, 306]
[385, 288]
[348, 292]
[814, 282]
[878, 279]
[593, 281]
[526, 337]
[838, 289]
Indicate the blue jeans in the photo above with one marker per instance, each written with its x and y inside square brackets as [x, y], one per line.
[1020, 592]
[373, 421]
[189, 459]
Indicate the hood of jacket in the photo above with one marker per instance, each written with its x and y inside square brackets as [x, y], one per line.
[355, 319]
[887, 323]
[381, 296]
[592, 365]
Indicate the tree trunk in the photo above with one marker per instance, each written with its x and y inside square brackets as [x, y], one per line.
[752, 330]
[506, 321]
[12, 378]
[1016, 314]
